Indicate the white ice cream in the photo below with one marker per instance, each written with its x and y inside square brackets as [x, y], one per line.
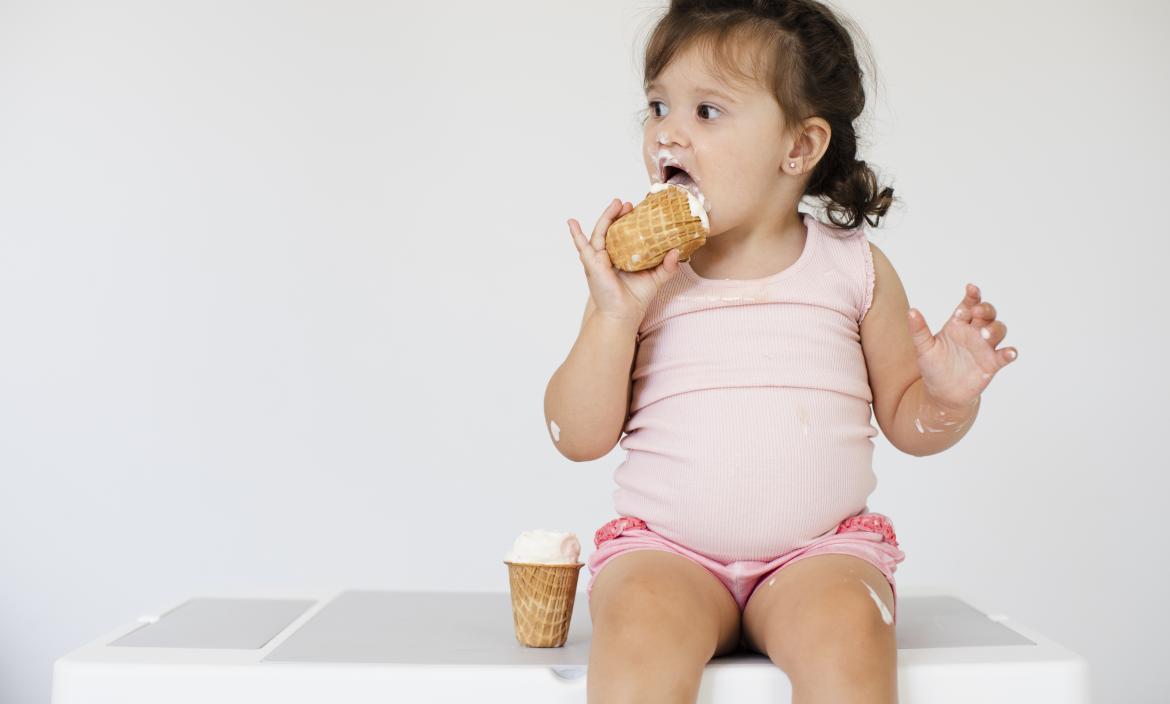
[545, 547]
[697, 202]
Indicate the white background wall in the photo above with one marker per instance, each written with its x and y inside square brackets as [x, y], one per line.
[282, 284]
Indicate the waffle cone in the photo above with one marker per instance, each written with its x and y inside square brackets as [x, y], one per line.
[643, 237]
[542, 601]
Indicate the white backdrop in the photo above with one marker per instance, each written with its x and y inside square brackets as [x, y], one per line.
[282, 284]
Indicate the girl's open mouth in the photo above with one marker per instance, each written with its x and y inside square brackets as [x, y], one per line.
[679, 177]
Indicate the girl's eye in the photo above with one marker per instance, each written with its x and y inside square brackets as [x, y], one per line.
[701, 107]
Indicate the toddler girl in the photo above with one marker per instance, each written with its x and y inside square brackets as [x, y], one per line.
[743, 378]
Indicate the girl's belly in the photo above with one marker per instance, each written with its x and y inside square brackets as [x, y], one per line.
[747, 473]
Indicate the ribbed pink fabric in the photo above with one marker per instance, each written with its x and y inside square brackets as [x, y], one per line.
[750, 432]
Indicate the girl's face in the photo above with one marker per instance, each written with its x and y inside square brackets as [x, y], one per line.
[728, 138]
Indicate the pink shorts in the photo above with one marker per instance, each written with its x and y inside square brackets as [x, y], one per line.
[869, 536]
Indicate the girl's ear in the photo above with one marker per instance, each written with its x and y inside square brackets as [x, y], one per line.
[808, 148]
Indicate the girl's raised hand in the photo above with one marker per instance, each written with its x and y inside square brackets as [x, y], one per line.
[619, 294]
[959, 362]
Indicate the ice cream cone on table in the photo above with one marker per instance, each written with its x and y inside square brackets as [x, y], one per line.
[542, 575]
[672, 215]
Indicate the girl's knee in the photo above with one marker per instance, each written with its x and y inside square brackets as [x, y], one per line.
[646, 626]
[653, 602]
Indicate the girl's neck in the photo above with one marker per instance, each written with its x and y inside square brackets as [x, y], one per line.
[743, 253]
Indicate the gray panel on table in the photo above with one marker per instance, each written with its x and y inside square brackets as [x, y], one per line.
[218, 624]
[461, 628]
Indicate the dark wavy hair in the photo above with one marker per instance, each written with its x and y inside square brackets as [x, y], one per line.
[802, 51]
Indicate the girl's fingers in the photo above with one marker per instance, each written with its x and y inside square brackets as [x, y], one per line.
[665, 269]
[919, 331]
[586, 253]
[972, 296]
[984, 312]
[962, 314]
[607, 216]
[1006, 356]
[579, 240]
[994, 332]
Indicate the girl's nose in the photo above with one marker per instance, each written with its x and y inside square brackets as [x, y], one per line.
[669, 133]
[671, 129]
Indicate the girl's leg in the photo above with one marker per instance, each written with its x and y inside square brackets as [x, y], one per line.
[658, 618]
[826, 620]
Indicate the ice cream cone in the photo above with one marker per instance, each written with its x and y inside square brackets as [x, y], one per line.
[542, 601]
[668, 217]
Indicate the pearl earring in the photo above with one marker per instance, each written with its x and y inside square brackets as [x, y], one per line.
[792, 164]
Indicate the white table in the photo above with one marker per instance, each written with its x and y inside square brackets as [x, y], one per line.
[383, 646]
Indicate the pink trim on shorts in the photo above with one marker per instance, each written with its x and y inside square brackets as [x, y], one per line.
[873, 522]
[615, 527]
[868, 536]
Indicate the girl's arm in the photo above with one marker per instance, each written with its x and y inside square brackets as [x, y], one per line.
[926, 388]
[589, 395]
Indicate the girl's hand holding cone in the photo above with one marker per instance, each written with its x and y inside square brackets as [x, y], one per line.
[619, 294]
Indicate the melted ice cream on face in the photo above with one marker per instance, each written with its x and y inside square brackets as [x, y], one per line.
[694, 197]
[545, 547]
[665, 158]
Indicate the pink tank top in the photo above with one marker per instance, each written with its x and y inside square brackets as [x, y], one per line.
[750, 432]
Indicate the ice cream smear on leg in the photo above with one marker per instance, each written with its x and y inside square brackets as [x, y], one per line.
[886, 617]
[545, 547]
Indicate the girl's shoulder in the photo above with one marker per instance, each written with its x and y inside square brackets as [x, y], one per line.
[848, 251]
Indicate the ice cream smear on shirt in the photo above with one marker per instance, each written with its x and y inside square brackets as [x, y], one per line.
[545, 547]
